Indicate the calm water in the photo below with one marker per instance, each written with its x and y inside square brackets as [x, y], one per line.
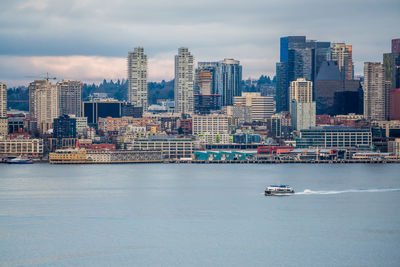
[199, 215]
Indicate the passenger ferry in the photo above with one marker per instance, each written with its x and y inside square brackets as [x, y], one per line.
[279, 190]
[20, 160]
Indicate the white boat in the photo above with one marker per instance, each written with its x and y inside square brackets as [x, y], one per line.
[279, 190]
[20, 160]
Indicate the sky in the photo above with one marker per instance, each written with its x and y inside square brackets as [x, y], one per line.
[89, 40]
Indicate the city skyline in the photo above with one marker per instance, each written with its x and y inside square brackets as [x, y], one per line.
[74, 41]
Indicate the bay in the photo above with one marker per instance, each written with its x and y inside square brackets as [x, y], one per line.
[199, 215]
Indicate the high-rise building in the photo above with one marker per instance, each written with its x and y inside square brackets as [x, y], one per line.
[302, 106]
[374, 91]
[43, 103]
[137, 78]
[229, 80]
[207, 66]
[205, 100]
[64, 127]
[391, 65]
[396, 63]
[3, 100]
[3, 110]
[321, 53]
[395, 104]
[301, 91]
[299, 58]
[69, 97]
[183, 87]
[282, 94]
[303, 114]
[343, 54]
[262, 107]
[333, 94]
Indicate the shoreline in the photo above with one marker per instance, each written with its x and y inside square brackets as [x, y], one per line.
[348, 161]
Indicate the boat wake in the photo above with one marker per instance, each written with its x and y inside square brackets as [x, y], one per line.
[311, 192]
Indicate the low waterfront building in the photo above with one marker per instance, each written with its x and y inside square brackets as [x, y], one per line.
[171, 148]
[70, 156]
[372, 156]
[334, 137]
[224, 155]
[394, 147]
[32, 148]
[208, 138]
[246, 138]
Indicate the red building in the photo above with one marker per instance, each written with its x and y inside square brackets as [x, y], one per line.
[394, 104]
[396, 46]
[274, 149]
[185, 125]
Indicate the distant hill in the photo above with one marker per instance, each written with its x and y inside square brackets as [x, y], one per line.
[18, 96]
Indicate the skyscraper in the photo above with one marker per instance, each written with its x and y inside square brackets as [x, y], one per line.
[301, 90]
[374, 91]
[391, 64]
[302, 106]
[396, 63]
[299, 58]
[343, 54]
[69, 97]
[3, 110]
[3, 100]
[207, 66]
[336, 96]
[183, 86]
[303, 115]
[43, 103]
[137, 78]
[204, 99]
[229, 80]
[282, 94]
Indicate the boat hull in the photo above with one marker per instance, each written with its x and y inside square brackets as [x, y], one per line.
[268, 193]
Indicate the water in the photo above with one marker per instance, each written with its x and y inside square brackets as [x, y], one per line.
[199, 215]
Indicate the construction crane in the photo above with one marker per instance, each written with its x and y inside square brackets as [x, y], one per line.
[47, 78]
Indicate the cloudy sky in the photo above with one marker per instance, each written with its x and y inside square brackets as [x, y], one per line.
[89, 40]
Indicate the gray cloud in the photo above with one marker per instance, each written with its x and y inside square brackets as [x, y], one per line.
[246, 30]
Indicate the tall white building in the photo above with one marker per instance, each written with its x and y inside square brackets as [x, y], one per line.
[302, 108]
[374, 91]
[183, 87]
[43, 103]
[262, 107]
[300, 90]
[137, 78]
[3, 100]
[3, 110]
